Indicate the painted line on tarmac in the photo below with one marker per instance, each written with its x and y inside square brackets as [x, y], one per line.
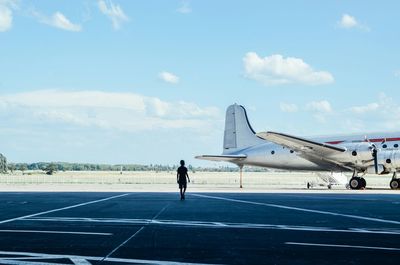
[54, 232]
[19, 256]
[135, 234]
[29, 261]
[122, 244]
[215, 225]
[340, 246]
[63, 208]
[301, 209]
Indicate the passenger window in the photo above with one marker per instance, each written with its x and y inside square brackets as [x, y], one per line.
[396, 145]
[384, 146]
[291, 151]
[272, 152]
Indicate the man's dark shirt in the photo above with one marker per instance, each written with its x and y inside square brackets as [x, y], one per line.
[182, 171]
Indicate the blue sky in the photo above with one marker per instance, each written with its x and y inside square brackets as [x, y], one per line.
[149, 81]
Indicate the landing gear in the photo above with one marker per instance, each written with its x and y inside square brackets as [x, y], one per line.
[395, 182]
[357, 183]
[241, 175]
[363, 183]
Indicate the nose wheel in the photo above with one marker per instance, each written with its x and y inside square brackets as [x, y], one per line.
[357, 183]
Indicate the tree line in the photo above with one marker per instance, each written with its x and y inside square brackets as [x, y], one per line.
[3, 164]
[65, 166]
[51, 167]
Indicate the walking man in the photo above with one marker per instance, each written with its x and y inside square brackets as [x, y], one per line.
[181, 175]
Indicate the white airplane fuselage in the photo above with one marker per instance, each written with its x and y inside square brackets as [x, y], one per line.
[272, 155]
[376, 153]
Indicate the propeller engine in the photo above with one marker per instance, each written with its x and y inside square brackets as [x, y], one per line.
[367, 155]
[390, 159]
[378, 167]
[385, 161]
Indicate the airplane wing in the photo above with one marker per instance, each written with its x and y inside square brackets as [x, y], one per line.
[301, 144]
[224, 158]
[319, 153]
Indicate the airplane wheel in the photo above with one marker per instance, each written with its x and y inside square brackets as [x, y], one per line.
[363, 183]
[355, 183]
[394, 184]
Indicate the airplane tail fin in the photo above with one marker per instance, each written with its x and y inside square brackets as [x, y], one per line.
[238, 131]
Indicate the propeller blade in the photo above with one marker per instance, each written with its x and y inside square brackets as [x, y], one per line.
[375, 155]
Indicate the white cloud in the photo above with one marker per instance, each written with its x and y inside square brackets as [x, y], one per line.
[168, 77]
[5, 18]
[6, 14]
[381, 115]
[60, 21]
[277, 70]
[383, 106]
[185, 7]
[288, 107]
[384, 114]
[322, 106]
[320, 110]
[113, 12]
[106, 110]
[319, 117]
[363, 109]
[57, 20]
[347, 21]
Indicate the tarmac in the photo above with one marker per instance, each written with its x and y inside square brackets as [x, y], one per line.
[44, 228]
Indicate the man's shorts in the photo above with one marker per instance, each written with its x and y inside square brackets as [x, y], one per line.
[182, 185]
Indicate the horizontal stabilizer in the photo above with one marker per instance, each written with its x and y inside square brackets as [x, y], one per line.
[224, 158]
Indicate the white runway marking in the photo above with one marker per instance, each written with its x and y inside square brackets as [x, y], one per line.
[122, 244]
[340, 246]
[54, 232]
[29, 261]
[136, 233]
[20, 258]
[216, 225]
[301, 209]
[63, 208]
[78, 261]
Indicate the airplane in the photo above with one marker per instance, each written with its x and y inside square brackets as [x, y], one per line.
[377, 153]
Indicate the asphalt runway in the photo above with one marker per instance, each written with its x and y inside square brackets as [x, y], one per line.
[206, 228]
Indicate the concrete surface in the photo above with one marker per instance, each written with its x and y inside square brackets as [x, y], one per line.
[208, 228]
